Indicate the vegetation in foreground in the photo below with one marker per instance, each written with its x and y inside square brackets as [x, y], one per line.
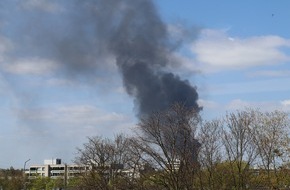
[177, 150]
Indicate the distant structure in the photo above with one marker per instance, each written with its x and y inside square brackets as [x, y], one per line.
[52, 161]
[53, 168]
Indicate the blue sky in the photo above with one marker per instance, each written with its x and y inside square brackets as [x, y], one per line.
[237, 53]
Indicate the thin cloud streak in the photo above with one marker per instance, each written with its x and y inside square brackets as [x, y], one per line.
[31, 66]
[219, 110]
[277, 85]
[73, 116]
[43, 5]
[263, 106]
[269, 73]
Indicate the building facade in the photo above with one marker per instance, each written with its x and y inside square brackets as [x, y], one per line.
[55, 169]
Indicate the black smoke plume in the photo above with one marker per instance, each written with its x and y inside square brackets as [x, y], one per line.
[80, 34]
[142, 49]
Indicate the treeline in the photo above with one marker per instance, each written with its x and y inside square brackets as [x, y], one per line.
[176, 150]
[11, 179]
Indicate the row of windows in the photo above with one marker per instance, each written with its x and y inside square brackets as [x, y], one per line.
[56, 168]
[37, 168]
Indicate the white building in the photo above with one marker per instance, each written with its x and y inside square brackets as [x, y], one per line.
[55, 169]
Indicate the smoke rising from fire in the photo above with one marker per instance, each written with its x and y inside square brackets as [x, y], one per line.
[79, 35]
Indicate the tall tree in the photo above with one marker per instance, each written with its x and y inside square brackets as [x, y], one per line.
[240, 149]
[210, 155]
[168, 142]
[272, 141]
[106, 159]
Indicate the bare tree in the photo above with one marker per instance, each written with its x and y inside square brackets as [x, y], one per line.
[106, 160]
[209, 136]
[240, 149]
[167, 142]
[272, 140]
[96, 154]
[166, 154]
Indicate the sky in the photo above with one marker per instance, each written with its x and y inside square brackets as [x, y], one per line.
[236, 54]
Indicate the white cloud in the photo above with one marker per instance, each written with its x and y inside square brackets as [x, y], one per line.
[43, 5]
[213, 109]
[286, 103]
[215, 50]
[250, 87]
[34, 66]
[86, 114]
[60, 129]
[208, 104]
[85, 119]
[5, 46]
[239, 104]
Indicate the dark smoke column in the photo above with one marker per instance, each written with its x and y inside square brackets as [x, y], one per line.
[79, 36]
[142, 49]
